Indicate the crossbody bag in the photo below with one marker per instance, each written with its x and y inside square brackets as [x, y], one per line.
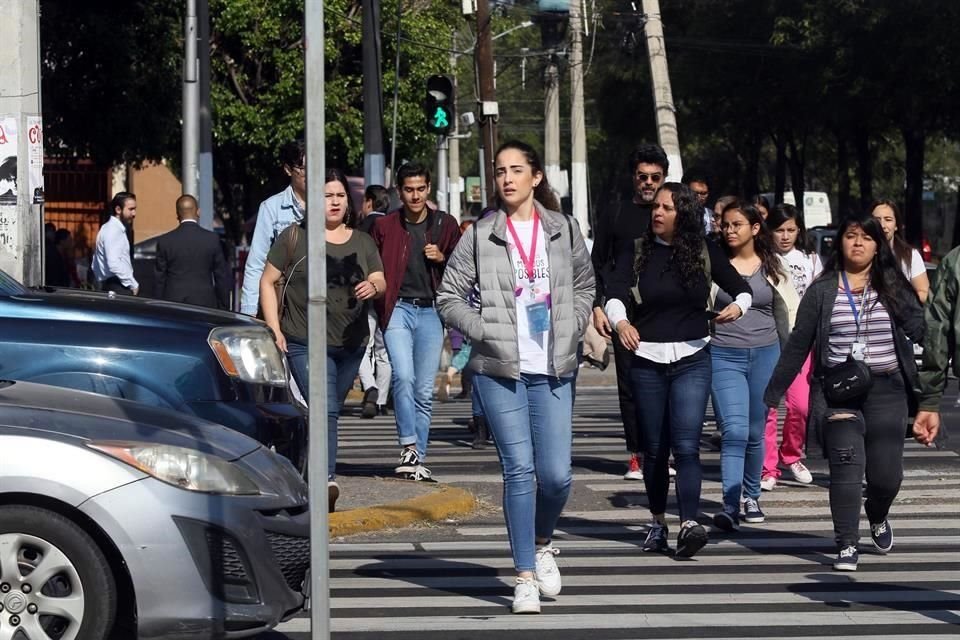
[850, 380]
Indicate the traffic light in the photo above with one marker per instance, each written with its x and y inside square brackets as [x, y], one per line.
[438, 106]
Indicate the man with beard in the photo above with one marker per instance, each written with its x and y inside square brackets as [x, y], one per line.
[111, 256]
[622, 222]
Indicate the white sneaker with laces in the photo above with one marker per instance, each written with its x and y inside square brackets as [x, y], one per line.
[548, 575]
[526, 596]
[634, 468]
[800, 473]
[768, 483]
[671, 471]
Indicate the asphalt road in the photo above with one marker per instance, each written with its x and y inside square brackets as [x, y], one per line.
[774, 580]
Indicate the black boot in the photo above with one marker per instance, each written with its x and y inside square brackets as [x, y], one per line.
[369, 409]
[482, 434]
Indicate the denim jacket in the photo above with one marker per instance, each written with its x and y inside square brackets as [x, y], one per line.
[276, 213]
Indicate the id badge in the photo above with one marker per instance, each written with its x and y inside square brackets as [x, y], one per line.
[538, 316]
[858, 351]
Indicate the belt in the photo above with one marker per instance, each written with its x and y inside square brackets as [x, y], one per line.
[418, 302]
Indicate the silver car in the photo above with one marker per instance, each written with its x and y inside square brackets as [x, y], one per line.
[150, 523]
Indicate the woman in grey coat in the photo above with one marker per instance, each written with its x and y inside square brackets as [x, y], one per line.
[536, 288]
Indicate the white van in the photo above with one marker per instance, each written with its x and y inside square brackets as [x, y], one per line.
[816, 207]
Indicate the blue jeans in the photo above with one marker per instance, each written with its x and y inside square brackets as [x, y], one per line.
[671, 403]
[343, 363]
[531, 420]
[414, 339]
[740, 377]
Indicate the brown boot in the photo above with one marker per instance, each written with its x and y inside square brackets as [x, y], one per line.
[482, 433]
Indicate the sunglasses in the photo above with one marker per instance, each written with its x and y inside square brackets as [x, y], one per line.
[652, 177]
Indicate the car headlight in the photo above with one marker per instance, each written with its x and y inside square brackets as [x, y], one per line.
[182, 467]
[249, 353]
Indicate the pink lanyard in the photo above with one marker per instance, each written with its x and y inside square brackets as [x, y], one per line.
[528, 260]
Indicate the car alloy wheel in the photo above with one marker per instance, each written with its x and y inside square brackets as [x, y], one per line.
[55, 583]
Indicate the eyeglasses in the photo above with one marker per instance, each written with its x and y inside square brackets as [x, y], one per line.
[701, 194]
[652, 177]
[300, 169]
[736, 226]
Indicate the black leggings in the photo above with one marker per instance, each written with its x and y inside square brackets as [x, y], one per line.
[866, 437]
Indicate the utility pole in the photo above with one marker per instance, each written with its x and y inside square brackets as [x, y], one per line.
[191, 103]
[551, 119]
[662, 94]
[205, 188]
[21, 143]
[489, 111]
[443, 177]
[454, 182]
[374, 161]
[319, 577]
[578, 146]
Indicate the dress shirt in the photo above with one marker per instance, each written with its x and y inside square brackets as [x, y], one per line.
[111, 257]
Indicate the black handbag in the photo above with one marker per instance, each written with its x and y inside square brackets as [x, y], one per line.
[848, 381]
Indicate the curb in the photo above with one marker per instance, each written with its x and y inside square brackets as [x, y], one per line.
[432, 507]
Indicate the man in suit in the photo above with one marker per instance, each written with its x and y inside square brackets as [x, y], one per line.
[190, 263]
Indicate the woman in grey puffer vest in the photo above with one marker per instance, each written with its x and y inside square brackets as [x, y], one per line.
[536, 289]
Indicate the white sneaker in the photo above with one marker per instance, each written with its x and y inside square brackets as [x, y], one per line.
[768, 483]
[671, 471]
[548, 575]
[800, 473]
[526, 596]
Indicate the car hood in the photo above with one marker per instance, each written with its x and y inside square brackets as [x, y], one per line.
[69, 415]
[79, 305]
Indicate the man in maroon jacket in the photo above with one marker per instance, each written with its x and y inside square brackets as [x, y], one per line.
[415, 242]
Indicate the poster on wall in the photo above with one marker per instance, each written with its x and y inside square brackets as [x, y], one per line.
[9, 232]
[8, 160]
[35, 158]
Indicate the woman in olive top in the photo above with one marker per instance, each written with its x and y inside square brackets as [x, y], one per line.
[354, 277]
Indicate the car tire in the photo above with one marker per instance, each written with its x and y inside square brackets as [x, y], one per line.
[40, 536]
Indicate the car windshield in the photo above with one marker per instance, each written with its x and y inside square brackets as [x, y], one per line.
[9, 286]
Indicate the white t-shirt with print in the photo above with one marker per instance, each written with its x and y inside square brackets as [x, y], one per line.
[804, 267]
[916, 266]
[535, 348]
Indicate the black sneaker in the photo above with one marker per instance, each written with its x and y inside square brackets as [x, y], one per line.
[727, 520]
[882, 536]
[752, 512]
[847, 559]
[369, 407]
[691, 539]
[409, 461]
[656, 539]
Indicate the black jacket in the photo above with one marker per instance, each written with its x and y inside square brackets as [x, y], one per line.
[812, 331]
[191, 267]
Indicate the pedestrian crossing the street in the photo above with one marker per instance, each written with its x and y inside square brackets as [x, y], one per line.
[772, 580]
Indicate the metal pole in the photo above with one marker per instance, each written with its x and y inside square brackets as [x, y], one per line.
[317, 323]
[483, 173]
[578, 146]
[373, 159]
[191, 102]
[443, 179]
[551, 119]
[662, 94]
[454, 188]
[396, 100]
[488, 125]
[205, 156]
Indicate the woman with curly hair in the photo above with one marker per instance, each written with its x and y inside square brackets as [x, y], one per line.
[667, 289]
[743, 356]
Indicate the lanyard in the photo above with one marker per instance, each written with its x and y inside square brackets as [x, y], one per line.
[853, 307]
[528, 260]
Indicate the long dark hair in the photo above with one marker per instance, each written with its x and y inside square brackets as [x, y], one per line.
[687, 237]
[886, 277]
[902, 250]
[542, 192]
[783, 212]
[334, 174]
[762, 244]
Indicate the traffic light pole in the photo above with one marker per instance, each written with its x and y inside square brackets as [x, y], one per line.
[443, 176]
[488, 123]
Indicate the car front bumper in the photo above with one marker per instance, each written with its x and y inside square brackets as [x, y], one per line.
[207, 566]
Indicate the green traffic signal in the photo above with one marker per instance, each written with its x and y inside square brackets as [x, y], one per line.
[440, 120]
